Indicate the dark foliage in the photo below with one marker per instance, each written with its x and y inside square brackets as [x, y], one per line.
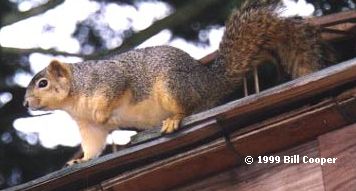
[325, 7]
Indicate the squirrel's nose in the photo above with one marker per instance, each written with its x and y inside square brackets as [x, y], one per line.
[25, 103]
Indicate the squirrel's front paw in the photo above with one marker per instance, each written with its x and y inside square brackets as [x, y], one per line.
[171, 124]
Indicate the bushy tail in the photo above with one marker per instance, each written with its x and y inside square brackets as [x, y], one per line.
[255, 34]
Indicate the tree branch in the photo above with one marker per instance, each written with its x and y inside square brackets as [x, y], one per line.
[184, 14]
[7, 50]
[16, 16]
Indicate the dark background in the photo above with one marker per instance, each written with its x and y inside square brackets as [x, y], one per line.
[20, 161]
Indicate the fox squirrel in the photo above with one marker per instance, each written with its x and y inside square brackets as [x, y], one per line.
[144, 87]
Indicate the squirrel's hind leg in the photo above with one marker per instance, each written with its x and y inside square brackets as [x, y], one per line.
[255, 78]
[256, 81]
[172, 123]
[245, 86]
[170, 103]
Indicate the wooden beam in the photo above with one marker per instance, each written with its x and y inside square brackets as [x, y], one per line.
[209, 58]
[342, 145]
[334, 19]
[339, 32]
[297, 128]
[164, 174]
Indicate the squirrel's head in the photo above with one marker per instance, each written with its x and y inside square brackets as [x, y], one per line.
[49, 88]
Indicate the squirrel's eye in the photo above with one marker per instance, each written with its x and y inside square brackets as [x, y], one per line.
[42, 83]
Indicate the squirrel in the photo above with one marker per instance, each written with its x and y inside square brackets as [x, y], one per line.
[144, 88]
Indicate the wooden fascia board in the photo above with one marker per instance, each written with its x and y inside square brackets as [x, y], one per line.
[334, 19]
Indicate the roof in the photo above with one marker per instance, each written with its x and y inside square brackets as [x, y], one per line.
[215, 140]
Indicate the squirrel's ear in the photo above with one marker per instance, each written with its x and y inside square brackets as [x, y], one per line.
[58, 69]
